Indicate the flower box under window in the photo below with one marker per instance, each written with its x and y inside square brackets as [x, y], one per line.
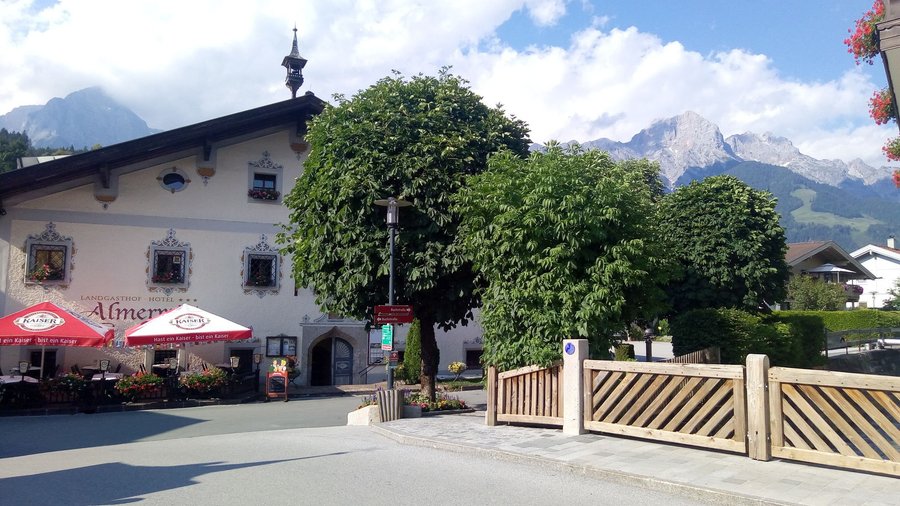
[263, 194]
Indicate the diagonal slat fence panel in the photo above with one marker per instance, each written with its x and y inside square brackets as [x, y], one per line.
[833, 418]
[682, 403]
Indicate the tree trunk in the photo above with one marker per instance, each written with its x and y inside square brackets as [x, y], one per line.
[430, 356]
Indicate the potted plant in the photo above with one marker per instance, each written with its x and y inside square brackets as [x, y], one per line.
[138, 385]
[862, 43]
[167, 277]
[203, 383]
[457, 368]
[45, 272]
[263, 193]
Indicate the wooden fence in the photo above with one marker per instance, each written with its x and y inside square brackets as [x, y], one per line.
[833, 418]
[711, 355]
[527, 395]
[699, 405]
[824, 417]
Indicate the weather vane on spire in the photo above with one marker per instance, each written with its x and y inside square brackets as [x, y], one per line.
[294, 64]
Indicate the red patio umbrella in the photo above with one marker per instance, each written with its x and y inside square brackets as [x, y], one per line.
[46, 324]
[185, 324]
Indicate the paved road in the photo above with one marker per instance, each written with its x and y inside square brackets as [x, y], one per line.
[30, 435]
[247, 453]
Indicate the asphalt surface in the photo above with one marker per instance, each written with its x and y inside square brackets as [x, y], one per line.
[242, 454]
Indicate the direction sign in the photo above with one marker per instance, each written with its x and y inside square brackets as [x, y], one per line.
[393, 314]
[387, 337]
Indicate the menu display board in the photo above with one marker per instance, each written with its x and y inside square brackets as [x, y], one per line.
[276, 385]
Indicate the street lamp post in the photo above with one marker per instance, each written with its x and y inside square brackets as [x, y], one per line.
[393, 217]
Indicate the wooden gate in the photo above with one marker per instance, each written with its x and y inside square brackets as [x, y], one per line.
[527, 395]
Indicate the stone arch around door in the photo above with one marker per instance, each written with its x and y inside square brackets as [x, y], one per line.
[330, 359]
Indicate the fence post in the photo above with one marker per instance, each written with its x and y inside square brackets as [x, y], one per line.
[491, 416]
[575, 351]
[758, 436]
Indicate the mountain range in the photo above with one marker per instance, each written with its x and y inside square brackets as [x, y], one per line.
[81, 120]
[851, 203]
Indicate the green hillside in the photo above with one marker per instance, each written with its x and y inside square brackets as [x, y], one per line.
[813, 211]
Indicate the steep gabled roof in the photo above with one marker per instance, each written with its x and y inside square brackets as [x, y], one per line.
[892, 253]
[74, 170]
[825, 252]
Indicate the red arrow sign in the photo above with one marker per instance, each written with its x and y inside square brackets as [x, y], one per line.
[393, 314]
[394, 310]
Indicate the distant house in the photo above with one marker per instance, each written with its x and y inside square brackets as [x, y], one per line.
[884, 263]
[829, 262]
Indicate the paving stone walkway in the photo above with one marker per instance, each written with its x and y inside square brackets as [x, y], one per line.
[702, 474]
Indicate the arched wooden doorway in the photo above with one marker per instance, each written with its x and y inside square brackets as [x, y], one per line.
[331, 362]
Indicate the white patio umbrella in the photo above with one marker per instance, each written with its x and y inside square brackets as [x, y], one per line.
[829, 269]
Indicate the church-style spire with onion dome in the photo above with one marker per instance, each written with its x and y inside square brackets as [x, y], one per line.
[294, 64]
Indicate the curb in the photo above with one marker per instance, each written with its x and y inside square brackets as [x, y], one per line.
[650, 483]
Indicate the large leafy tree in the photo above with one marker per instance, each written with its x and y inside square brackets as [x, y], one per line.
[727, 239]
[566, 243]
[417, 138]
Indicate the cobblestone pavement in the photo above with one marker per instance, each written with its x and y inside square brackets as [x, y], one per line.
[701, 474]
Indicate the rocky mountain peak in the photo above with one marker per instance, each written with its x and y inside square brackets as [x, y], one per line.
[81, 119]
[684, 141]
[690, 141]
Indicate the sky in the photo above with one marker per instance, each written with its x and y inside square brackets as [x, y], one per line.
[573, 70]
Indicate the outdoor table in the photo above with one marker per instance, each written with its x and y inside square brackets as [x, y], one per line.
[88, 370]
[17, 378]
[21, 391]
[110, 376]
[165, 369]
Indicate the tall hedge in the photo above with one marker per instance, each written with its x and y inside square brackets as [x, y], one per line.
[851, 320]
[788, 341]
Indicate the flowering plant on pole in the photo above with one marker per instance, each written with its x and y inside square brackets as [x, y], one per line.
[862, 43]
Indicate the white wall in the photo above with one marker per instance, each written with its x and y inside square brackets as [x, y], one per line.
[218, 220]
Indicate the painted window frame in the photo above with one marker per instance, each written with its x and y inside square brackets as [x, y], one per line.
[170, 246]
[48, 241]
[261, 170]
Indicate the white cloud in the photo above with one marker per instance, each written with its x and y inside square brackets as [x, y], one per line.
[545, 12]
[176, 63]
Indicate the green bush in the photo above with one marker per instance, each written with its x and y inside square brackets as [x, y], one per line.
[788, 341]
[624, 352]
[808, 331]
[412, 356]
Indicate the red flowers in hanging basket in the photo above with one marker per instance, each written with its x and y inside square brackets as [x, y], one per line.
[892, 149]
[862, 43]
[881, 106]
[897, 178]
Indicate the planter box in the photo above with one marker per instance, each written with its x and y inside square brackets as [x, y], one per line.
[412, 411]
[366, 415]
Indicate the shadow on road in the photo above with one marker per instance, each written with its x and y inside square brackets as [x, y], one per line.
[114, 483]
[18, 436]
